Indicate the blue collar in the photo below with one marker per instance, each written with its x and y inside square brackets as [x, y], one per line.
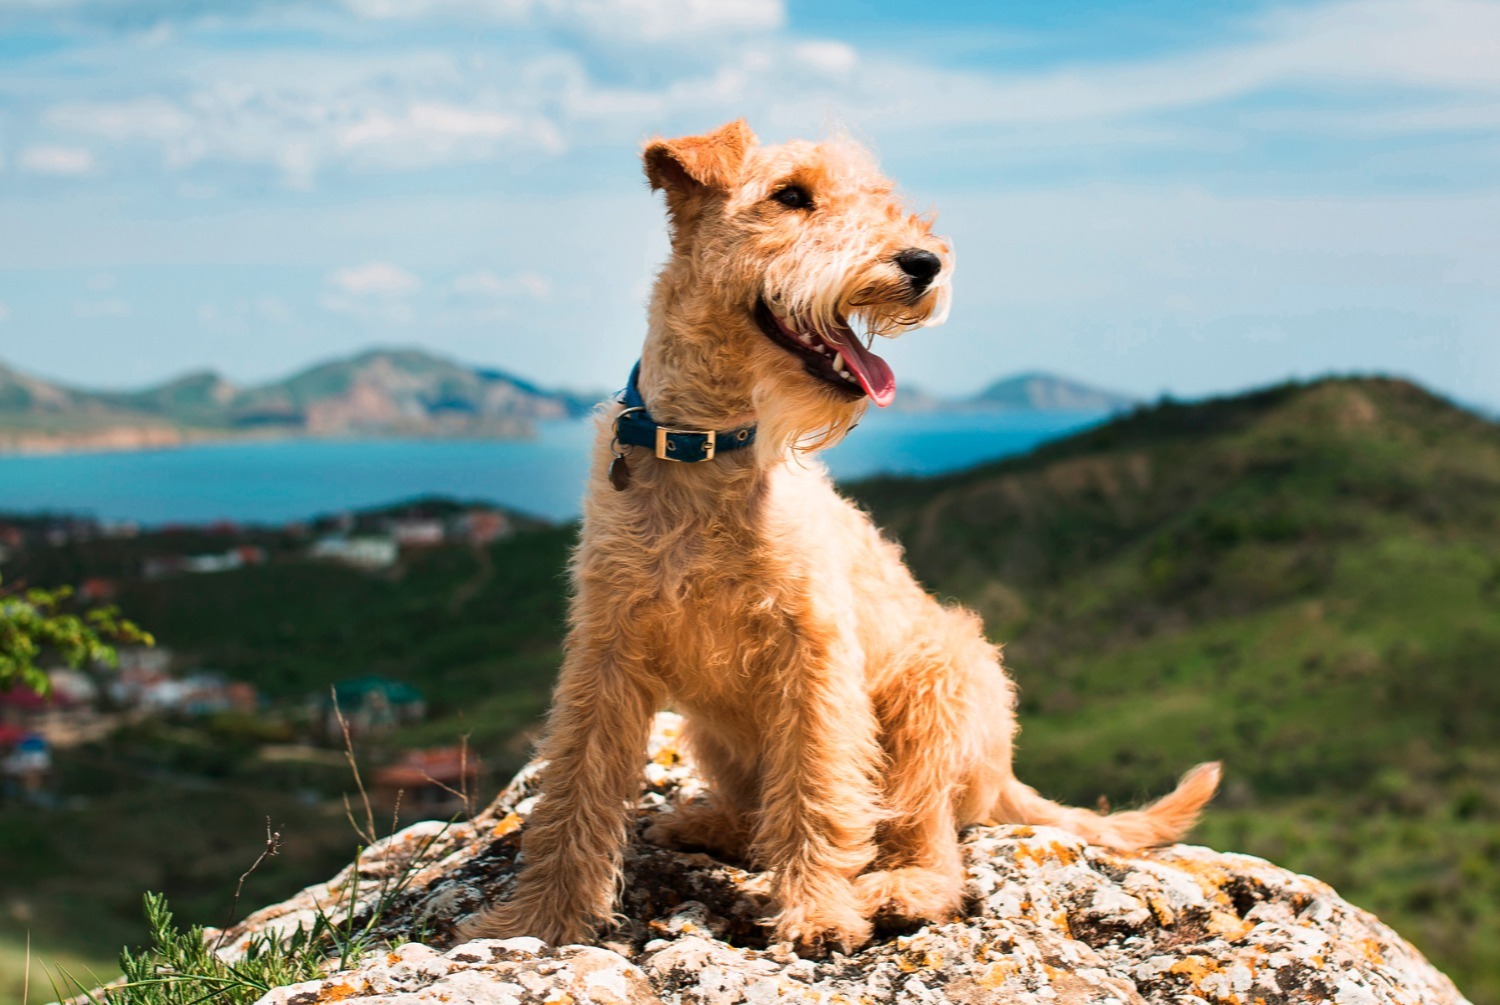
[635, 427]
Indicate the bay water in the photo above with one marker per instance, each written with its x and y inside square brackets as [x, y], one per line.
[277, 482]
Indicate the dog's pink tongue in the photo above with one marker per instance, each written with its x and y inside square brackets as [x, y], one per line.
[873, 373]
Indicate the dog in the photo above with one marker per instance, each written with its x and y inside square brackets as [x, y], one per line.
[847, 723]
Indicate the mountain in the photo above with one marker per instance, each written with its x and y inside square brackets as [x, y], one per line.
[1025, 392]
[380, 392]
[1047, 393]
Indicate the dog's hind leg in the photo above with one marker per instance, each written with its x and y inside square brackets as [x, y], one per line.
[936, 706]
[574, 839]
[721, 821]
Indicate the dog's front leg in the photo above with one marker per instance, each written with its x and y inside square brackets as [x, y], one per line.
[819, 803]
[572, 843]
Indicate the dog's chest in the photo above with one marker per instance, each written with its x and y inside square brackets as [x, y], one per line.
[714, 600]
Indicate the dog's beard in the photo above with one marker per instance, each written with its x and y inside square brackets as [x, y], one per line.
[797, 415]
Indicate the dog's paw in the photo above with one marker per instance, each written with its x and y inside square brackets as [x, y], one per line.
[701, 825]
[908, 895]
[815, 929]
[514, 919]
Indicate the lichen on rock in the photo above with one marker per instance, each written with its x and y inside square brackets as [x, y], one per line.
[1050, 920]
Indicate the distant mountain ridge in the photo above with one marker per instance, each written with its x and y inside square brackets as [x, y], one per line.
[1024, 392]
[381, 392]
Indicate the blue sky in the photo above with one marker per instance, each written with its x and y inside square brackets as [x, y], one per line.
[1167, 196]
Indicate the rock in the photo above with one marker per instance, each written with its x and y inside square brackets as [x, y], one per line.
[1051, 920]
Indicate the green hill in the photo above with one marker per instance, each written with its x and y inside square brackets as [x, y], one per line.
[1302, 581]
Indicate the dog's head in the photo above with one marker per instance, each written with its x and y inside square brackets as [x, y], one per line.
[783, 256]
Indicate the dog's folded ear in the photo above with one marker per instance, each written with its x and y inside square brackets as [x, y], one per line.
[713, 160]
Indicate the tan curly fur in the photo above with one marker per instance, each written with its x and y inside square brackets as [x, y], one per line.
[847, 722]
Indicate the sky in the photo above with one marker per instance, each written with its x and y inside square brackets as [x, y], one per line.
[1155, 197]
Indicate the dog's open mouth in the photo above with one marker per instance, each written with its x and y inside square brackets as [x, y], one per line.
[833, 355]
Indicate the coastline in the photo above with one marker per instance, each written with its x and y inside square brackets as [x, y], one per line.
[138, 439]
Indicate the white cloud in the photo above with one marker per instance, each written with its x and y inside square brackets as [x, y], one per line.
[413, 10]
[301, 113]
[246, 315]
[835, 59]
[376, 291]
[375, 279]
[665, 19]
[95, 309]
[650, 20]
[426, 134]
[1358, 45]
[101, 281]
[4, 313]
[533, 94]
[489, 285]
[153, 118]
[57, 160]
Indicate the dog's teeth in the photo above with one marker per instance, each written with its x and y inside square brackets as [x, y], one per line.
[838, 364]
[806, 339]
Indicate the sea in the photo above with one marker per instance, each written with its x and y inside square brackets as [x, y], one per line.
[283, 481]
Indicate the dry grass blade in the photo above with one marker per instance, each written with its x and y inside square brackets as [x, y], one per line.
[368, 833]
[270, 850]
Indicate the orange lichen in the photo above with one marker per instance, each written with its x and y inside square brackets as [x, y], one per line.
[511, 822]
[1211, 878]
[1061, 921]
[1197, 969]
[1055, 851]
[666, 756]
[1228, 926]
[1165, 916]
[337, 992]
[995, 975]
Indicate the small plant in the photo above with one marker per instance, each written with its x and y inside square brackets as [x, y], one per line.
[34, 620]
[181, 968]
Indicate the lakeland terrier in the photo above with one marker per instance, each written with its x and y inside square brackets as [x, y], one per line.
[848, 724]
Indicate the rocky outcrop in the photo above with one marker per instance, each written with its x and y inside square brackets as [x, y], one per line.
[1050, 920]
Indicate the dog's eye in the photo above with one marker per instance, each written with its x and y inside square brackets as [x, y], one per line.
[793, 197]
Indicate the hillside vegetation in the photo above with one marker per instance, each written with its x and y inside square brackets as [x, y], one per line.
[1303, 582]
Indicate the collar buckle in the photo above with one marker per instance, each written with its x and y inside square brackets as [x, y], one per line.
[670, 445]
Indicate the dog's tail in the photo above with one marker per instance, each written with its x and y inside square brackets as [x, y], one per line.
[1162, 822]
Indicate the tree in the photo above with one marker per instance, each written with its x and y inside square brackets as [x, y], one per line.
[34, 621]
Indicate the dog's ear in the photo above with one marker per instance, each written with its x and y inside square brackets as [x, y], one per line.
[713, 160]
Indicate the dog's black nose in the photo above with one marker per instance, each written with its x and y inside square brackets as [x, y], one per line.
[921, 266]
